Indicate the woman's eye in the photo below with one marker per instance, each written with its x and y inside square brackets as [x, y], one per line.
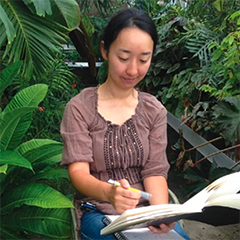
[123, 59]
[143, 61]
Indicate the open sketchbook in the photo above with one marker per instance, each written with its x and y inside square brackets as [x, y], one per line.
[141, 233]
[217, 204]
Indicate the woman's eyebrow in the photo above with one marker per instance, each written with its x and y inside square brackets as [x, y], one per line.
[127, 51]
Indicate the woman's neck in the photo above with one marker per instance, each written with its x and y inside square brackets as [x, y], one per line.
[111, 91]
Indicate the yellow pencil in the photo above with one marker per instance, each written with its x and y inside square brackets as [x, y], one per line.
[144, 195]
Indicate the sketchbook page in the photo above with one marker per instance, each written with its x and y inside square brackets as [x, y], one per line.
[230, 201]
[143, 221]
[146, 234]
[155, 211]
[229, 184]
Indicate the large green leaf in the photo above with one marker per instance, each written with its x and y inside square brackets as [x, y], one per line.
[53, 223]
[227, 116]
[36, 38]
[41, 153]
[13, 125]
[47, 155]
[41, 7]
[49, 173]
[14, 158]
[3, 169]
[7, 75]
[18, 112]
[70, 12]
[34, 195]
[8, 232]
[30, 96]
[10, 30]
[27, 147]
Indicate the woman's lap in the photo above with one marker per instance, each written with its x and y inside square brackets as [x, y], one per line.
[92, 223]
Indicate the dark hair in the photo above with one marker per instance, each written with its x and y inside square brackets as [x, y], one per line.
[130, 17]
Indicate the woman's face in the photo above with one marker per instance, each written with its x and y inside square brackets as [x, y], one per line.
[129, 57]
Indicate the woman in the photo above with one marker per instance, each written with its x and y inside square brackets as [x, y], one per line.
[114, 131]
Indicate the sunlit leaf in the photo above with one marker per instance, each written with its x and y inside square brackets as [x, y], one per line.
[34, 195]
[14, 158]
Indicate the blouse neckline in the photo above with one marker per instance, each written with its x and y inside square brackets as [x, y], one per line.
[137, 109]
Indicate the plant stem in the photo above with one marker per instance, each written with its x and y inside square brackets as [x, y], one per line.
[220, 151]
[203, 144]
[235, 165]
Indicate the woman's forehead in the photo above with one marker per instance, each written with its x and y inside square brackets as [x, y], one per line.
[130, 38]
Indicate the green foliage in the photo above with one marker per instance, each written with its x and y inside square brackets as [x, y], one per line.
[225, 62]
[50, 222]
[196, 63]
[61, 87]
[7, 76]
[29, 34]
[28, 200]
[103, 7]
[199, 179]
[226, 114]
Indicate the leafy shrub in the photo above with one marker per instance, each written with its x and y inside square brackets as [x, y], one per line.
[27, 201]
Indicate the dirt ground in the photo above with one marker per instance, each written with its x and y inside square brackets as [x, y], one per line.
[201, 231]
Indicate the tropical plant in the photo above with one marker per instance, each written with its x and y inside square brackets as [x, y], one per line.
[225, 63]
[227, 118]
[196, 64]
[197, 179]
[27, 169]
[103, 7]
[32, 31]
[62, 86]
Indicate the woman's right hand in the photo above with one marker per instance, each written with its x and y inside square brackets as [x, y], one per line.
[123, 199]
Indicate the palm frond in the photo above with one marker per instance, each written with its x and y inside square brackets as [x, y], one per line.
[40, 7]
[198, 39]
[36, 38]
[10, 30]
[58, 76]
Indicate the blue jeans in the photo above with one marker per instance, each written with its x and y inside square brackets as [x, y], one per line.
[92, 223]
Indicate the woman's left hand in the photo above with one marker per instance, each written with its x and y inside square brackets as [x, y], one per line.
[163, 228]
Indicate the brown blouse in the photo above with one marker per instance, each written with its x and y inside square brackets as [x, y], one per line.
[134, 150]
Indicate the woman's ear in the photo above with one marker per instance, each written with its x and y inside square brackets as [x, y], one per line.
[103, 51]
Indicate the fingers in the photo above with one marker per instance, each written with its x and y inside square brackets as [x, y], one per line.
[123, 199]
[124, 183]
[163, 228]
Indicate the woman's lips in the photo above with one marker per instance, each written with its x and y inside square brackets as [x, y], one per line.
[129, 79]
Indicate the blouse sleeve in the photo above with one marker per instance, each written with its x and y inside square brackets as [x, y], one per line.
[157, 162]
[76, 139]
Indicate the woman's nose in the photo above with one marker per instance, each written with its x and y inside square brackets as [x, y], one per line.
[132, 68]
